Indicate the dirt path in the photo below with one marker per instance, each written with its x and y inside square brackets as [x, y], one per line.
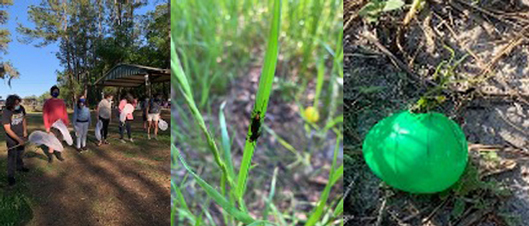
[116, 184]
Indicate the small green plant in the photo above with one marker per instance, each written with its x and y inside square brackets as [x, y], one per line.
[374, 9]
[444, 76]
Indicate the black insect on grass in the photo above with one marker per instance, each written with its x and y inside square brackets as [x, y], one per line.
[255, 127]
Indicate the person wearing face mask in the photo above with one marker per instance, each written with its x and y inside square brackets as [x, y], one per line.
[14, 123]
[104, 113]
[53, 110]
[81, 120]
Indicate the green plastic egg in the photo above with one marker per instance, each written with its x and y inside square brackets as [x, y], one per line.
[417, 153]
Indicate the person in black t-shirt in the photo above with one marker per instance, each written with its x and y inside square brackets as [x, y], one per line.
[153, 115]
[14, 123]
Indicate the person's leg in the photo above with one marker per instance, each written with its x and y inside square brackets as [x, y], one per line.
[78, 135]
[149, 120]
[156, 120]
[105, 128]
[106, 124]
[11, 165]
[85, 133]
[49, 154]
[20, 162]
[128, 130]
[57, 154]
[121, 124]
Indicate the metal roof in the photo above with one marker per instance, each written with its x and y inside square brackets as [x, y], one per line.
[132, 75]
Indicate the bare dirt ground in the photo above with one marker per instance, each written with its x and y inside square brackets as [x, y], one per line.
[492, 39]
[116, 184]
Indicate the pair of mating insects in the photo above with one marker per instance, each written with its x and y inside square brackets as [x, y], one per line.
[255, 127]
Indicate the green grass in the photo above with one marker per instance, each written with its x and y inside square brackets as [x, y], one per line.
[15, 204]
[230, 194]
[210, 34]
[18, 202]
[261, 100]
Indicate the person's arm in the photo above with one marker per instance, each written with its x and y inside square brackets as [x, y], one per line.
[89, 117]
[74, 117]
[12, 134]
[45, 116]
[65, 114]
[97, 110]
[24, 123]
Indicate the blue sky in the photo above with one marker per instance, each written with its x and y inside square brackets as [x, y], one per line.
[37, 66]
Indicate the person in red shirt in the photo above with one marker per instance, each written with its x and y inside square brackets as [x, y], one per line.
[53, 110]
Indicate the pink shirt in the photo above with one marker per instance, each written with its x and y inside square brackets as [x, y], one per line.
[53, 110]
[122, 104]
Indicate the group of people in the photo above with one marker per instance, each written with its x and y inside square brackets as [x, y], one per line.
[14, 123]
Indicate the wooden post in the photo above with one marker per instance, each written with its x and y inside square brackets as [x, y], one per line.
[148, 85]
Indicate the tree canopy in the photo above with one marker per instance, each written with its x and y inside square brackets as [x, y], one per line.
[7, 70]
[95, 35]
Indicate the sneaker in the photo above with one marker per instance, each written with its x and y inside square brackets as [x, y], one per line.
[148, 136]
[23, 169]
[122, 141]
[50, 157]
[85, 149]
[105, 142]
[131, 140]
[156, 138]
[11, 181]
[58, 155]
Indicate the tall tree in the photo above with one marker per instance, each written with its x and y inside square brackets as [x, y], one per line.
[6, 68]
[95, 35]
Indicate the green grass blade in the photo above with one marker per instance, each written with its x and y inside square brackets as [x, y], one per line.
[319, 82]
[278, 215]
[334, 176]
[226, 144]
[179, 76]
[199, 221]
[271, 195]
[214, 194]
[339, 208]
[263, 94]
[183, 209]
[260, 223]
[332, 123]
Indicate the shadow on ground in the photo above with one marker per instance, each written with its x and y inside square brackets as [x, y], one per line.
[117, 184]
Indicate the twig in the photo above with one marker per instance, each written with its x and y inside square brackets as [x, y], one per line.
[484, 11]
[474, 217]
[425, 220]
[505, 50]
[453, 33]
[408, 218]
[396, 218]
[350, 187]
[347, 218]
[371, 38]
[411, 14]
[381, 212]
